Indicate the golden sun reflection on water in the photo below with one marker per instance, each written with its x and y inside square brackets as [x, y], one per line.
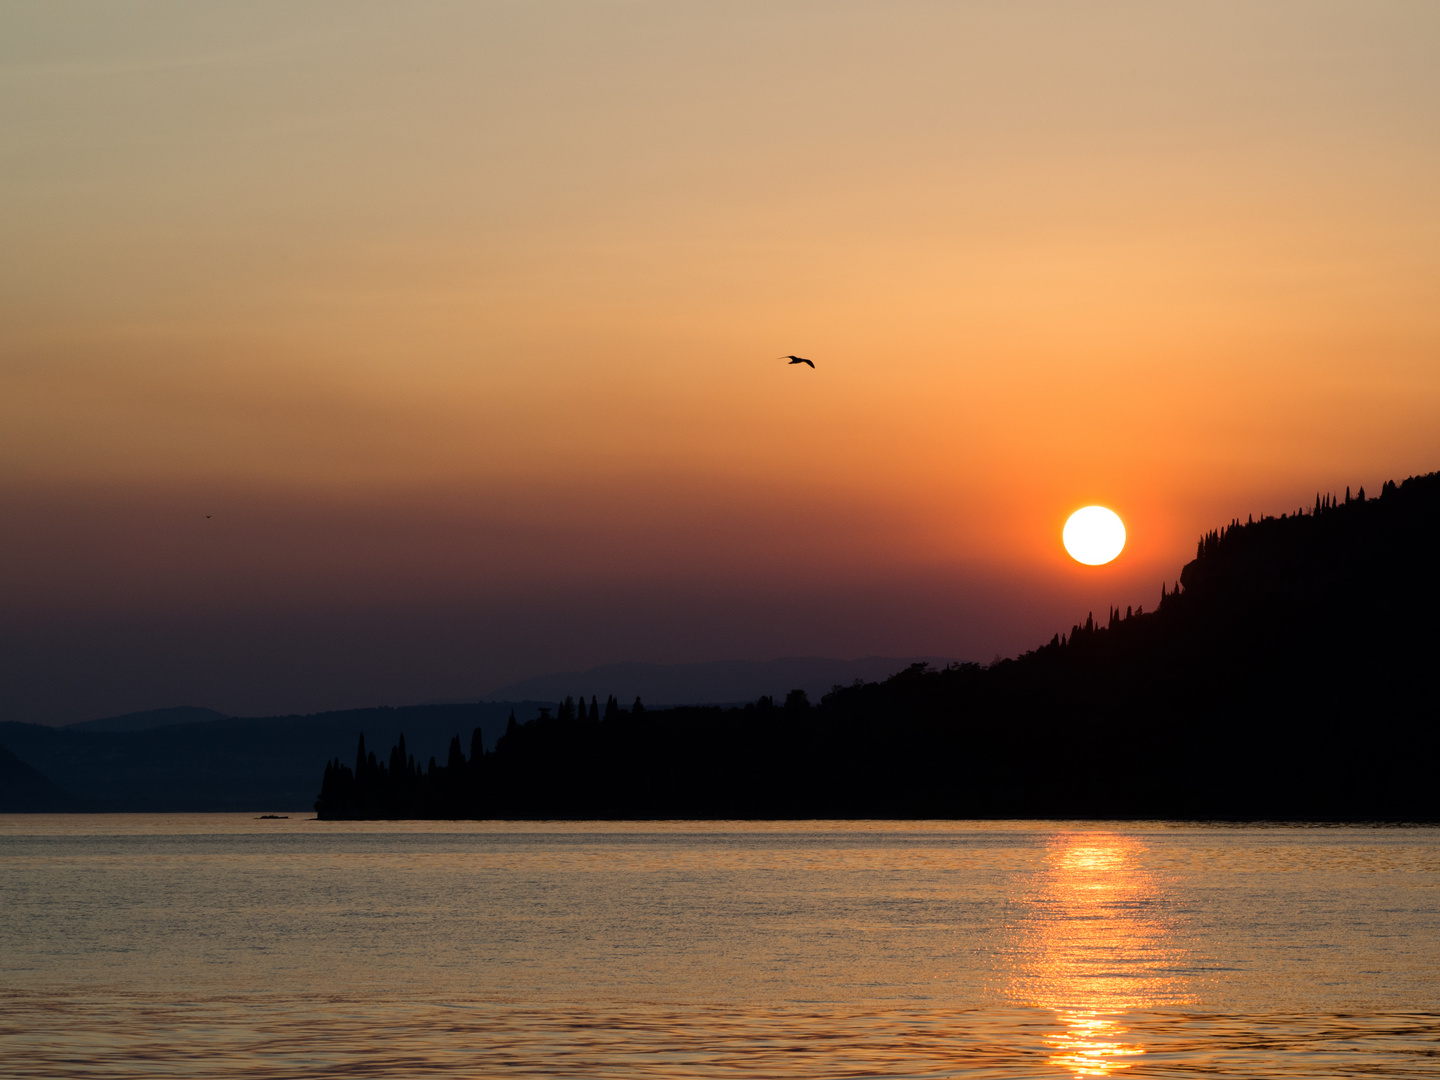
[1090, 1045]
[1096, 942]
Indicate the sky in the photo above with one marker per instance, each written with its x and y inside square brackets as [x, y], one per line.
[358, 354]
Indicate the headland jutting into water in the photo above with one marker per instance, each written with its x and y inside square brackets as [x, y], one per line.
[1291, 673]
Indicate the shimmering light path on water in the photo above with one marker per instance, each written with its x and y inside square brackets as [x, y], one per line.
[225, 946]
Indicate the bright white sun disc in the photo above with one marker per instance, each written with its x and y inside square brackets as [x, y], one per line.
[1094, 535]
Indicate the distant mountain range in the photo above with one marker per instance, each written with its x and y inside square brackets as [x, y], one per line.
[152, 718]
[187, 758]
[160, 761]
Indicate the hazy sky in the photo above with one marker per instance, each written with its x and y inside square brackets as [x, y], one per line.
[460, 323]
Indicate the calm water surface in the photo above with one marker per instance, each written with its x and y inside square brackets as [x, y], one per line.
[226, 946]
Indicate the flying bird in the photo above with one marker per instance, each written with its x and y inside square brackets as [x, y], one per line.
[798, 360]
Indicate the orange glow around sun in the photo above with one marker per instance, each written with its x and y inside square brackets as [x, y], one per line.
[498, 331]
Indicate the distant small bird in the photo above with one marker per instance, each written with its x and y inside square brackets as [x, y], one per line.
[797, 360]
[207, 517]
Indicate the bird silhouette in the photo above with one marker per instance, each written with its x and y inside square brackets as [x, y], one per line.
[797, 360]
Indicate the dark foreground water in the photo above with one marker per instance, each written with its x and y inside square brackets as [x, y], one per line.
[225, 946]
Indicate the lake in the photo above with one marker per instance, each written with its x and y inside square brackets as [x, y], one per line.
[220, 945]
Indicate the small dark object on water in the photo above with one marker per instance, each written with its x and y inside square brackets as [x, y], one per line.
[273, 817]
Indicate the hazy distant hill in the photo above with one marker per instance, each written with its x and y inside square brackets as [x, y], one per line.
[198, 759]
[725, 682]
[1295, 675]
[230, 763]
[24, 790]
[152, 718]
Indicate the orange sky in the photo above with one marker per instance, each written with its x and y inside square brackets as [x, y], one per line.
[450, 314]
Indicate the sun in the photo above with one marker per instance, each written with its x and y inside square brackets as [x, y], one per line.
[1094, 535]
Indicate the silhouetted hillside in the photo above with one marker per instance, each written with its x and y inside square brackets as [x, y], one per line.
[720, 682]
[1290, 674]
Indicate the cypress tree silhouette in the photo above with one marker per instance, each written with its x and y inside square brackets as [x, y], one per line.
[453, 790]
[475, 794]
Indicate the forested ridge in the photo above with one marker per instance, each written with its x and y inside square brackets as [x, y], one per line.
[1290, 673]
